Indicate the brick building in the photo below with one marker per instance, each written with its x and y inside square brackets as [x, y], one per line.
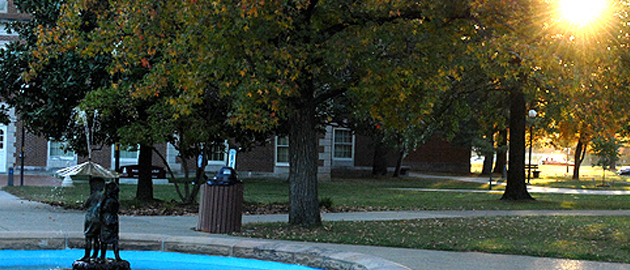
[342, 153]
[8, 13]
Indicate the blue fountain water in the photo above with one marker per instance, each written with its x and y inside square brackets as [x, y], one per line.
[140, 260]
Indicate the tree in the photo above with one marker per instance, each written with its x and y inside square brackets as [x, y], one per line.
[533, 57]
[591, 72]
[67, 41]
[485, 109]
[606, 149]
[147, 101]
[508, 53]
[139, 124]
[284, 63]
[288, 60]
[501, 162]
[203, 132]
[46, 101]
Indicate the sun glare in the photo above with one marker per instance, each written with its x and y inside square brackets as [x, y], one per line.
[582, 12]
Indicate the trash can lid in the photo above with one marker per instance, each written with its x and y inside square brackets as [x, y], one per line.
[225, 176]
[227, 171]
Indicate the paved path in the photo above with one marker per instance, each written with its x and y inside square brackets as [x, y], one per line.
[20, 215]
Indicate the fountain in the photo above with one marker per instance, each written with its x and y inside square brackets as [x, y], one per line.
[101, 228]
[143, 260]
[101, 218]
[24, 250]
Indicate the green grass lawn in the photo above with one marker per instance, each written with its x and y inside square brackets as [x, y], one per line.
[390, 194]
[74, 197]
[375, 194]
[592, 238]
[586, 238]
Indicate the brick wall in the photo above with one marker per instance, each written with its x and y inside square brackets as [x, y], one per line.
[35, 149]
[12, 13]
[259, 159]
[364, 149]
[437, 155]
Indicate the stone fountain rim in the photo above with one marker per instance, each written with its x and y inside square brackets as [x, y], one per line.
[267, 250]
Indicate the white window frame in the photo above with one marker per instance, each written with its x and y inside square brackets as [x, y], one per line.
[277, 146]
[56, 158]
[6, 6]
[335, 144]
[125, 161]
[225, 155]
[68, 156]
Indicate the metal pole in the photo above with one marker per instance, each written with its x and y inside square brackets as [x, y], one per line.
[117, 160]
[531, 140]
[117, 156]
[22, 158]
[490, 182]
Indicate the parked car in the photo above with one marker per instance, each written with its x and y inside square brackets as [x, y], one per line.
[624, 171]
[133, 171]
[550, 160]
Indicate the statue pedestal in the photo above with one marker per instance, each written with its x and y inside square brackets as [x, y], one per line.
[108, 265]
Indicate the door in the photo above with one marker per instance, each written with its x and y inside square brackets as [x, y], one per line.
[3, 148]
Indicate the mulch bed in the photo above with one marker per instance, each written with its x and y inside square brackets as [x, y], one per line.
[248, 209]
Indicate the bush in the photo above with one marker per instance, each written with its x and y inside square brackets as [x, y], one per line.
[326, 202]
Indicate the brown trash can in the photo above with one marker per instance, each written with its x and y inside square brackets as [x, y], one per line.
[221, 204]
[536, 174]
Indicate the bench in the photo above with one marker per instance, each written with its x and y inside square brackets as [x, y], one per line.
[534, 169]
[404, 170]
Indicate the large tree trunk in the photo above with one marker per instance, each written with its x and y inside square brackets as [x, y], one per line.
[516, 188]
[379, 161]
[144, 191]
[171, 174]
[303, 159]
[501, 152]
[401, 155]
[580, 152]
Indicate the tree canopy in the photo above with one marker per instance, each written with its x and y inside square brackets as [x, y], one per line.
[284, 65]
[45, 102]
[280, 62]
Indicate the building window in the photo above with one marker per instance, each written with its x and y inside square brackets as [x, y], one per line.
[128, 155]
[343, 144]
[4, 6]
[56, 150]
[217, 153]
[282, 151]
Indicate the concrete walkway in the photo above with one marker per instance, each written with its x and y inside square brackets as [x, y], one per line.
[23, 216]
